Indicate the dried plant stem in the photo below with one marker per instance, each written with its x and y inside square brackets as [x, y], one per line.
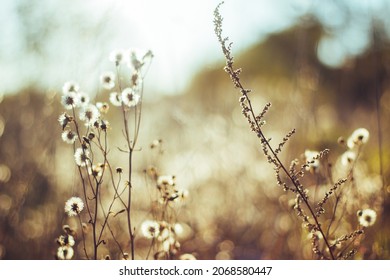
[129, 182]
[256, 127]
[94, 230]
[130, 147]
[82, 232]
[92, 218]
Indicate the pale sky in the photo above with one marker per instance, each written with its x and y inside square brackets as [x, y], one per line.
[47, 42]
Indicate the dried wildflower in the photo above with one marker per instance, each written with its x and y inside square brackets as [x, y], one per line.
[117, 56]
[70, 86]
[119, 170]
[65, 253]
[116, 99]
[359, 137]
[129, 97]
[66, 240]
[86, 140]
[135, 62]
[135, 78]
[103, 107]
[167, 187]
[91, 135]
[150, 229]
[70, 100]
[96, 170]
[348, 158]
[313, 162]
[165, 180]
[137, 58]
[89, 114]
[81, 156]
[74, 206]
[104, 125]
[64, 119]
[83, 99]
[107, 79]
[69, 136]
[367, 217]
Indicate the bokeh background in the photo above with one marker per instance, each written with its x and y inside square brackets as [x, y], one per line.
[323, 65]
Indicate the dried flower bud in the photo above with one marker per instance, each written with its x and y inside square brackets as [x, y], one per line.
[86, 140]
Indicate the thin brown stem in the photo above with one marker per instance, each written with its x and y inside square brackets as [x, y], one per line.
[234, 75]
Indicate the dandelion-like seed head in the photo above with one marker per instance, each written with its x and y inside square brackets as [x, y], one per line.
[74, 206]
[129, 97]
[167, 186]
[103, 107]
[65, 253]
[64, 119]
[367, 217]
[69, 136]
[70, 86]
[81, 156]
[70, 100]
[107, 79]
[96, 170]
[166, 180]
[117, 56]
[359, 137]
[150, 229]
[348, 157]
[89, 114]
[66, 240]
[116, 99]
[83, 99]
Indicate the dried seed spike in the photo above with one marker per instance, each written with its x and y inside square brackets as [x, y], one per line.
[285, 139]
[319, 208]
[264, 111]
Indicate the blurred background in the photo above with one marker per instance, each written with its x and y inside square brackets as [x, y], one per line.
[322, 64]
